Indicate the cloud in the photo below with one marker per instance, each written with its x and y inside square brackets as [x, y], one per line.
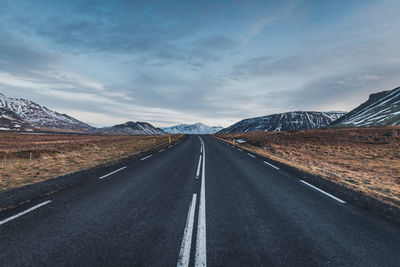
[265, 65]
[347, 90]
[267, 18]
[184, 61]
[22, 59]
[216, 42]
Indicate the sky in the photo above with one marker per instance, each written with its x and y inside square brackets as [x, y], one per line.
[216, 62]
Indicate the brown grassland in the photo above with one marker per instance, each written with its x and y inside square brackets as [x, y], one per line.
[362, 159]
[32, 158]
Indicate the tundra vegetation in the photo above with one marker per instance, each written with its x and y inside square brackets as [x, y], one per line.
[32, 158]
[362, 159]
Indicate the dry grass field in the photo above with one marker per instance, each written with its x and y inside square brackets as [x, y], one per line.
[31, 158]
[363, 159]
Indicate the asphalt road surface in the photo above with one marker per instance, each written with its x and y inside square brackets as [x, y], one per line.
[200, 202]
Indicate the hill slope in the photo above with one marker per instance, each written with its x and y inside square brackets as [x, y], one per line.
[29, 114]
[9, 120]
[380, 109]
[290, 121]
[131, 128]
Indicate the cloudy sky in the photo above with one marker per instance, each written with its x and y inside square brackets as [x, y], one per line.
[170, 62]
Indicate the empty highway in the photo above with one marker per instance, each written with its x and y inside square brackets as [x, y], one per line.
[199, 202]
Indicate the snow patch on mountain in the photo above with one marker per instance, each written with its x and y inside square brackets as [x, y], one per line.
[289, 121]
[36, 116]
[197, 128]
[381, 109]
[131, 128]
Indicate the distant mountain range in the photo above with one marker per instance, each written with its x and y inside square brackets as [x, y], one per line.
[131, 128]
[380, 109]
[197, 128]
[289, 121]
[17, 114]
[383, 108]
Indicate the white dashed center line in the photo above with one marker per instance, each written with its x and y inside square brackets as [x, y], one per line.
[184, 254]
[198, 168]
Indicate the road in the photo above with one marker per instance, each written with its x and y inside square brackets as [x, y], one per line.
[229, 208]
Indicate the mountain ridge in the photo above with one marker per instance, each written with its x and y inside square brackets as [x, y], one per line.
[196, 128]
[131, 128]
[19, 114]
[381, 109]
[288, 121]
[35, 116]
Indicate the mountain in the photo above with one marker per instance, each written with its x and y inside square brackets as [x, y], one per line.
[197, 128]
[22, 114]
[131, 128]
[380, 109]
[26, 113]
[290, 121]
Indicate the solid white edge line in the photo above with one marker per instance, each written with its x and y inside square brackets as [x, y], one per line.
[271, 165]
[184, 253]
[201, 247]
[198, 168]
[251, 155]
[161, 150]
[111, 173]
[24, 212]
[146, 157]
[323, 192]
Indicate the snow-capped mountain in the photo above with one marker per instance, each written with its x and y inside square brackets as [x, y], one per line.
[29, 114]
[197, 128]
[131, 128]
[380, 109]
[289, 121]
[22, 114]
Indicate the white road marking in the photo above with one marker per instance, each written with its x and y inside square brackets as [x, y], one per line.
[198, 168]
[184, 253]
[111, 173]
[201, 149]
[161, 150]
[323, 192]
[240, 150]
[251, 155]
[146, 157]
[271, 165]
[201, 249]
[24, 212]
[170, 146]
